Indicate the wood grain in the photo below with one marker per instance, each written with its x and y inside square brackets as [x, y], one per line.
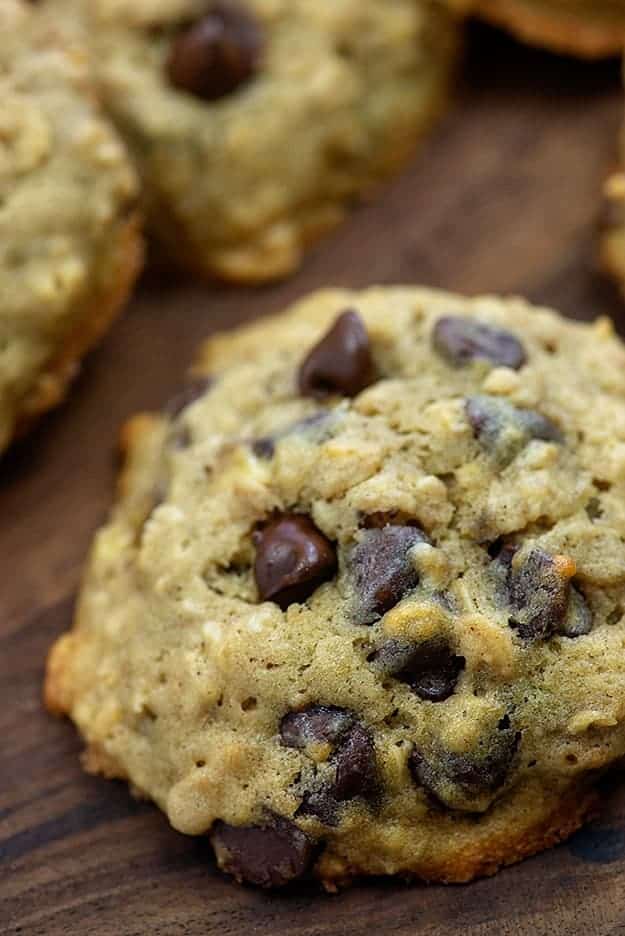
[504, 197]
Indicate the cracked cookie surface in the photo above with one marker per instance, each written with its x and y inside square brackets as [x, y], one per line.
[70, 247]
[359, 608]
[255, 123]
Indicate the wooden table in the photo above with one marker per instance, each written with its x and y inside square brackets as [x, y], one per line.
[505, 197]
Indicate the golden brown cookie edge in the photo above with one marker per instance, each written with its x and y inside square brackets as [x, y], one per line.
[99, 311]
[561, 33]
[485, 859]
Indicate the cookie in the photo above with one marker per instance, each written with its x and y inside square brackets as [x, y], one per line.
[70, 246]
[359, 608]
[612, 254]
[255, 124]
[586, 28]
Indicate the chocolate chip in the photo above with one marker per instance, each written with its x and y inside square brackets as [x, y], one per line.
[462, 340]
[265, 446]
[504, 430]
[355, 766]
[539, 590]
[217, 54]
[430, 668]
[341, 363]
[293, 558]
[321, 804]
[194, 389]
[381, 571]
[578, 619]
[270, 855]
[354, 775]
[317, 724]
[428, 773]
[467, 782]
[392, 658]
[352, 764]
[594, 509]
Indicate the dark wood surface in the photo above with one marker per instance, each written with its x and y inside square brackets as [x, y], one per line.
[505, 196]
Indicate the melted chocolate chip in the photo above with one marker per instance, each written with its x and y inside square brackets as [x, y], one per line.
[430, 668]
[218, 54]
[317, 724]
[292, 559]
[355, 775]
[504, 430]
[578, 618]
[392, 657]
[341, 363]
[352, 763]
[321, 804]
[269, 855]
[194, 389]
[539, 589]
[467, 781]
[462, 340]
[355, 766]
[381, 571]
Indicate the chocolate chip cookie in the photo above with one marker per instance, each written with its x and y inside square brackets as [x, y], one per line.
[69, 241]
[586, 28]
[360, 607]
[255, 123]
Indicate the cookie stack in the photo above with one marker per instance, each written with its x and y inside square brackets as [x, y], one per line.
[359, 607]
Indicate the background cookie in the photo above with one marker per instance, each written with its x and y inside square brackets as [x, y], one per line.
[255, 124]
[588, 28]
[359, 607]
[69, 242]
[613, 221]
[613, 228]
